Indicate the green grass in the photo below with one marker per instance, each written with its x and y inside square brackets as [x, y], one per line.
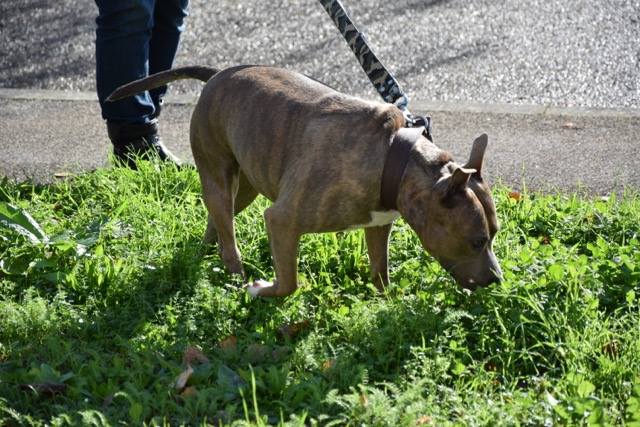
[103, 301]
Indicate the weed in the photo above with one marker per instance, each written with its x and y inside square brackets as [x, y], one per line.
[103, 287]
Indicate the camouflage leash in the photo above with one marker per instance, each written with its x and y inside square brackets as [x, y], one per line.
[386, 85]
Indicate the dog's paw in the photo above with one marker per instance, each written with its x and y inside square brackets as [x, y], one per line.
[255, 288]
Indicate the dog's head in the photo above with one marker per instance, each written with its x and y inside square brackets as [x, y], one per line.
[451, 209]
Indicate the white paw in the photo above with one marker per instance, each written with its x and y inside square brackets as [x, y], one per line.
[254, 289]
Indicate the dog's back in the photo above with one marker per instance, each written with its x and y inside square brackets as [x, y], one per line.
[286, 129]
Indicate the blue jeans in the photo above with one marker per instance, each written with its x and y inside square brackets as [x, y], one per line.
[135, 38]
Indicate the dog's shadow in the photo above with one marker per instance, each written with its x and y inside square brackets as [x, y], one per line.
[158, 287]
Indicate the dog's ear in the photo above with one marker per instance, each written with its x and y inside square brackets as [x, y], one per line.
[460, 178]
[477, 154]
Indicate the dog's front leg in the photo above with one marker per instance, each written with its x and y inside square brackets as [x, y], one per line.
[284, 241]
[378, 247]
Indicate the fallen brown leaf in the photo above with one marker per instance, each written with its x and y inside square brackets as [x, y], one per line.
[229, 344]
[63, 174]
[364, 400]
[193, 354]
[328, 365]
[570, 125]
[424, 420]
[189, 392]
[290, 331]
[181, 381]
[515, 195]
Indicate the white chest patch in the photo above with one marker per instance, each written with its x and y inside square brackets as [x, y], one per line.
[378, 218]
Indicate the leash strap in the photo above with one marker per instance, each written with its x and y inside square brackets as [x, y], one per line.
[386, 85]
[395, 165]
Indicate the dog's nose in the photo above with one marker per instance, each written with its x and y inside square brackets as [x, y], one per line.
[494, 279]
[497, 274]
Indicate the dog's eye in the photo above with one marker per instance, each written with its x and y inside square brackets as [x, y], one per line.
[479, 243]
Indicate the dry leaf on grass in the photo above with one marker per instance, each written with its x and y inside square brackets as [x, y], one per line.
[424, 420]
[181, 381]
[570, 125]
[229, 344]
[515, 195]
[328, 365]
[193, 354]
[364, 400]
[64, 174]
[189, 392]
[292, 330]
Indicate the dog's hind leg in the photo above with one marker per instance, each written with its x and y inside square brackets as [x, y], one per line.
[245, 195]
[210, 235]
[218, 188]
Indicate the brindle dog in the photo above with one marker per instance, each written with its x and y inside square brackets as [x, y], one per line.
[319, 155]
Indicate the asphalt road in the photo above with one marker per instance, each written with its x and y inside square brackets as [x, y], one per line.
[467, 63]
[557, 52]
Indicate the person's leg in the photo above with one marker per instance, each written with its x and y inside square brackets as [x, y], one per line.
[168, 26]
[123, 34]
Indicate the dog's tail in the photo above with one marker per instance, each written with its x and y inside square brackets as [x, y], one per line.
[161, 79]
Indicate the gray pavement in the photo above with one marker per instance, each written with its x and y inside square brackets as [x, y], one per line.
[555, 83]
[45, 135]
[558, 52]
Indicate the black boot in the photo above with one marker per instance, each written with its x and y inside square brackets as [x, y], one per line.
[132, 141]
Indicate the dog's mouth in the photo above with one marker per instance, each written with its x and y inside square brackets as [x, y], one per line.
[463, 274]
[473, 284]
[470, 284]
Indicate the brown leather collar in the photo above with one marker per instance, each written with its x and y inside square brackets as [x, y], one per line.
[395, 165]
